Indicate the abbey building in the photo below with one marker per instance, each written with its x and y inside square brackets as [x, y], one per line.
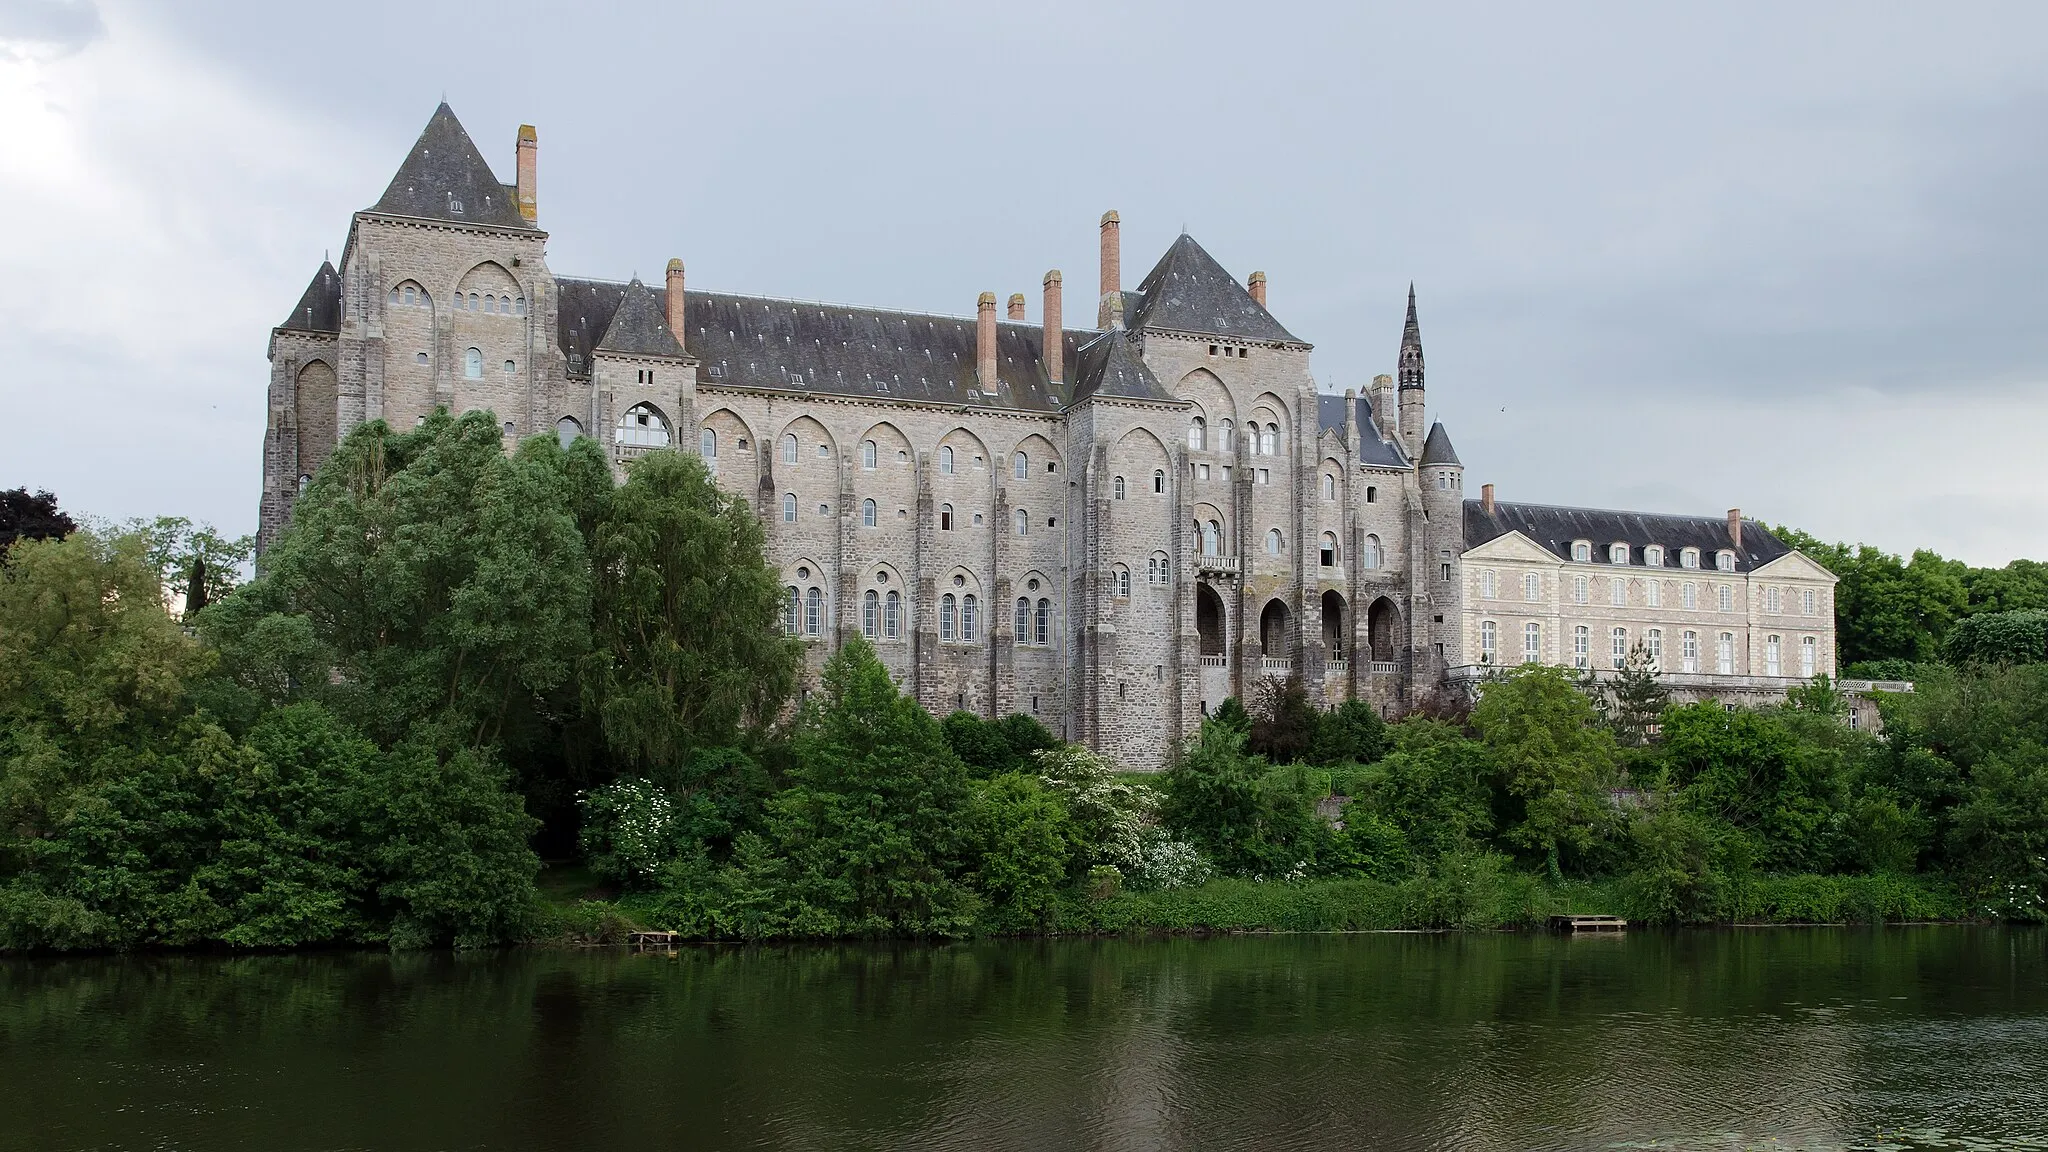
[1112, 525]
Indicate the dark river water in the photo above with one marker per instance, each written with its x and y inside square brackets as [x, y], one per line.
[1786, 1038]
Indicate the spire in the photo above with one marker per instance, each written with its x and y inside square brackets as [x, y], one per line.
[444, 177]
[1437, 449]
[1411, 346]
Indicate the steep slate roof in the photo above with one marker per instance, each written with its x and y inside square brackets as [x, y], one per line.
[319, 310]
[1437, 449]
[446, 178]
[1554, 529]
[1108, 366]
[639, 325]
[872, 353]
[1188, 291]
[1331, 416]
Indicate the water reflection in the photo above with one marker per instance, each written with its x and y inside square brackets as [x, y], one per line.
[1786, 1038]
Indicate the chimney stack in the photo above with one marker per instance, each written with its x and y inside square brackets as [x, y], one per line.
[1257, 285]
[1486, 498]
[1016, 305]
[1735, 527]
[529, 167]
[985, 341]
[676, 324]
[1112, 269]
[1055, 350]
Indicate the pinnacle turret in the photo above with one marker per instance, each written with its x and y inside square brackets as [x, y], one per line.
[1411, 346]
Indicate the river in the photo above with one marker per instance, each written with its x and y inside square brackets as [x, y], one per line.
[1915, 1037]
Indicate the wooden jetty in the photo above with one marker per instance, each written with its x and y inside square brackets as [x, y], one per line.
[1587, 924]
[654, 939]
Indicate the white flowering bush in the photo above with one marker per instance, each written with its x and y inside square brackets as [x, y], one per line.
[630, 829]
[1162, 863]
[1110, 814]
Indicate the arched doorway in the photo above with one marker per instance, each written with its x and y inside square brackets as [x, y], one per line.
[1273, 630]
[1335, 626]
[1383, 629]
[1209, 619]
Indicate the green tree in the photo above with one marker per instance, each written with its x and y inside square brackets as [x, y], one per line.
[2015, 637]
[1434, 787]
[30, 516]
[1286, 724]
[1556, 762]
[1023, 848]
[1351, 733]
[1748, 769]
[1636, 699]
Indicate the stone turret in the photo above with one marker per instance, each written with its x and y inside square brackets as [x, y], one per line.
[1441, 574]
[1410, 374]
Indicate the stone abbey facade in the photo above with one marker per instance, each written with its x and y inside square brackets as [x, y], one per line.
[1113, 526]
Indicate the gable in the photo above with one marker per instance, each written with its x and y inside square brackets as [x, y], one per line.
[1512, 547]
[1795, 565]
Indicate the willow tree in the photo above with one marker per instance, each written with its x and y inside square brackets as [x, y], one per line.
[687, 651]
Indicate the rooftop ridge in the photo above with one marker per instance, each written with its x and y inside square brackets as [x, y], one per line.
[965, 318]
[1718, 519]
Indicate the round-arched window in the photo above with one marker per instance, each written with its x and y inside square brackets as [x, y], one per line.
[473, 363]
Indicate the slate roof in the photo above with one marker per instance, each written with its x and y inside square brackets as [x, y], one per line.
[1554, 529]
[639, 325]
[834, 349]
[444, 177]
[1331, 416]
[319, 309]
[1188, 291]
[1437, 448]
[1108, 366]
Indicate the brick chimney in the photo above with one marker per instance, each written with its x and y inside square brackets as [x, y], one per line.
[985, 340]
[1735, 527]
[1486, 498]
[1055, 350]
[676, 325]
[529, 169]
[1112, 268]
[1257, 287]
[1016, 305]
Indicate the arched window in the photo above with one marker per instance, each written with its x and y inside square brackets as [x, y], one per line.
[789, 449]
[1329, 487]
[870, 614]
[1580, 589]
[1269, 440]
[1653, 556]
[1582, 551]
[1689, 652]
[1582, 647]
[867, 513]
[1121, 578]
[1117, 489]
[1774, 601]
[1326, 551]
[892, 616]
[1772, 665]
[867, 455]
[949, 616]
[1274, 542]
[1155, 570]
[519, 306]
[1653, 593]
[1809, 655]
[1224, 435]
[1158, 481]
[567, 429]
[1371, 559]
[970, 618]
[1198, 434]
[1724, 560]
[1487, 587]
[1023, 621]
[1617, 553]
[1532, 643]
[472, 302]
[1532, 586]
[792, 607]
[1653, 646]
[789, 507]
[1372, 494]
[473, 363]
[945, 460]
[707, 444]
[1618, 646]
[1041, 625]
[945, 517]
[1489, 641]
[642, 427]
[304, 482]
[1212, 539]
[1727, 598]
[410, 296]
[1023, 520]
[814, 611]
[1020, 466]
[1724, 654]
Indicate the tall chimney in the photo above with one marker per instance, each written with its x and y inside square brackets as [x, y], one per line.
[1257, 285]
[985, 340]
[1055, 350]
[1735, 527]
[1486, 498]
[1016, 305]
[676, 325]
[1112, 269]
[529, 168]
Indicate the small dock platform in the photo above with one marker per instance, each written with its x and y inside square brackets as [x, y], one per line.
[654, 939]
[1588, 924]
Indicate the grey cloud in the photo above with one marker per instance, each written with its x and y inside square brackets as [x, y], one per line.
[48, 27]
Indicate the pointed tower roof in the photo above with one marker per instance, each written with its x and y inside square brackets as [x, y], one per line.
[1411, 345]
[1437, 449]
[1107, 366]
[640, 325]
[444, 177]
[1188, 291]
[319, 309]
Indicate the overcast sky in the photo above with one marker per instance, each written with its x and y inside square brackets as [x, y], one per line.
[1787, 257]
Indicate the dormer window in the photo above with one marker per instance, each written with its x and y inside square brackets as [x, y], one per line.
[1689, 558]
[1724, 560]
[1617, 553]
[1582, 551]
[1653, 556]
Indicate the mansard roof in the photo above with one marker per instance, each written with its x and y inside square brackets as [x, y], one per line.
[446, 178]
[1332, 416]
[830, 349]
[1437, 448]
[1109, 366]
[319, 309]
[639, 325]
[1188, 291]
[1554, 529]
